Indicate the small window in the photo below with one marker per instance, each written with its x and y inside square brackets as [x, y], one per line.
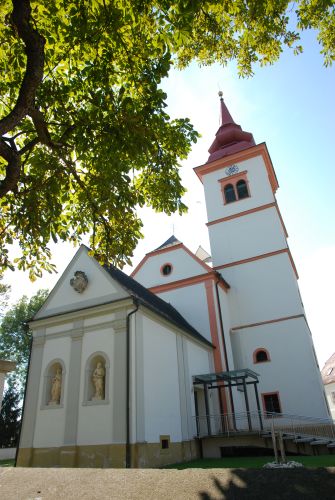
[235, 187]
[329, 371]
[242, 189]
[271, 403]
[229, 193]
[166, 269]
[261, 355]
[165, 442]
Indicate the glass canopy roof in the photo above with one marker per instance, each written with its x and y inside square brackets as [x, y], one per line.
[233, 377]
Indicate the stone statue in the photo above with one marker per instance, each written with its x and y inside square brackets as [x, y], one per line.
[98, 379]
[56, 388]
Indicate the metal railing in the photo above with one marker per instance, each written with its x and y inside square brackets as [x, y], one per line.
[292, 426]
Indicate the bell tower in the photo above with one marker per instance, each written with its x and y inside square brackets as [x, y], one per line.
[249, 249]
[244, 221]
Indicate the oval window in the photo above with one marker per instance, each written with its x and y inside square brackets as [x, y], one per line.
[166, 269]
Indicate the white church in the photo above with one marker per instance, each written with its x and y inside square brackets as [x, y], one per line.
[135, 371]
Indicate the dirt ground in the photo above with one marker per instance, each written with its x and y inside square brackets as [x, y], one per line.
[202, 484]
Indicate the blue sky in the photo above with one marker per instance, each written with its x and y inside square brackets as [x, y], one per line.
[291, 107]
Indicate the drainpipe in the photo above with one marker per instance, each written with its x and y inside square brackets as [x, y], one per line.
[24, 401]
[128, 449]
[218, 279]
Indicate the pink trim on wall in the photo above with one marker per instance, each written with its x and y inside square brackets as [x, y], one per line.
[281, 220]
[254, 356]
[224, 180]
[240, 156]
[215, 336]
[262, 256]
[155, 252]
[199, 261]
[188, 282]
[277, 320]
[169, 249]
[247, 212]
[240, 214]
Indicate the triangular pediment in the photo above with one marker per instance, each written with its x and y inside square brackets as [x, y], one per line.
[167, 264]
[83, 284]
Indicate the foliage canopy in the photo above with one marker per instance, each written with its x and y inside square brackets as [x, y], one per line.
[10, 419]
[84, 136]
[15, 336]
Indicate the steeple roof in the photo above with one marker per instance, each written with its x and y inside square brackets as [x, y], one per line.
[230, 138]
[168, 243]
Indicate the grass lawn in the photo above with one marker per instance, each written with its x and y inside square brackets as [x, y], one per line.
[251, 462]
[7, 463]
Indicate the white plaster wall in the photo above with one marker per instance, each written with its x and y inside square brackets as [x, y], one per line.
[161, 386]
[49, 426]
[184, 266]
[262, 290]
[98, 319]
[329, 389]
[247, 236]
[59, 328]
[292, 370]
[95, 422]
[101, 287]
[198, 360]
[259, 187]
[191, 302]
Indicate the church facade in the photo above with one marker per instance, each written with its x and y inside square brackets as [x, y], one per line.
[129, 371]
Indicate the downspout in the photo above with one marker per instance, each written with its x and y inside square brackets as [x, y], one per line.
[24, 401]
[218, 276]
[128, 449]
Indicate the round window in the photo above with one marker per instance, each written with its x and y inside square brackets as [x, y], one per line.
[166, 269]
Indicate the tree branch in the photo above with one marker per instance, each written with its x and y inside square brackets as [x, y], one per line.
[34, 49]
[13, 168]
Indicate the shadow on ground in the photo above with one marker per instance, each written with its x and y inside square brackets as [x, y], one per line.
[290, 484]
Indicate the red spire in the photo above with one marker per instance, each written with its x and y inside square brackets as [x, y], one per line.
[225, 115]
[230, 138]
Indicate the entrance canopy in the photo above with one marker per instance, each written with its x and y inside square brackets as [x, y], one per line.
[231, 378]
[223, 380]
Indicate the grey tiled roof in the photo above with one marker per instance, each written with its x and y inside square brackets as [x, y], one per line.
[168, 243]
[153, 302]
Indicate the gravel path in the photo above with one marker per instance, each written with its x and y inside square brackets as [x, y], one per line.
[202, 484]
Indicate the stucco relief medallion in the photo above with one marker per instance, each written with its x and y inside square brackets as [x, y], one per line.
[233, 169]
[79, 282]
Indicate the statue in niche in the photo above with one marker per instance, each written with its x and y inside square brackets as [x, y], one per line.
[56, 387]
[98, 379]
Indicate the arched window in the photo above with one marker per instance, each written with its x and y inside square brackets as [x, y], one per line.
[242, 189]
[54, 383]
[96, 387]
[261, 355]
[229, 193]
